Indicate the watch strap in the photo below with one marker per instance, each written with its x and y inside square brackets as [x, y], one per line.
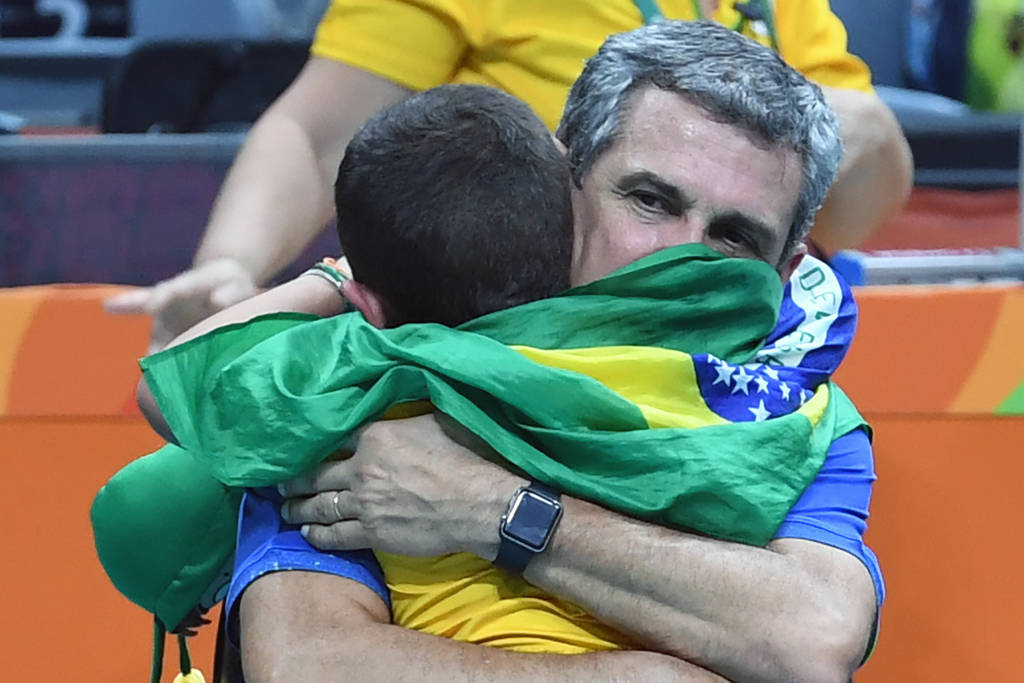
[513, 557]
[544, 490]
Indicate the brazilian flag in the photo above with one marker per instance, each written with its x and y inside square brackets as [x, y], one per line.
[636, 392]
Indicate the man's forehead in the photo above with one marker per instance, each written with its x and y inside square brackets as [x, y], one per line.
[666, 119]
[666, 135]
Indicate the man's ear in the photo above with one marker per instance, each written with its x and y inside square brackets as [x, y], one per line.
[369, 303]
[789, 267]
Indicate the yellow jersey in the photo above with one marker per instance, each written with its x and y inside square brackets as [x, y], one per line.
[535, 49]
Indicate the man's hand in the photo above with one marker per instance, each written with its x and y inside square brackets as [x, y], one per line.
[182, 301]
[409, 489]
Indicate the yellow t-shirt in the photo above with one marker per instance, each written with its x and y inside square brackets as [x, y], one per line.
[468, 599]
[535, 49]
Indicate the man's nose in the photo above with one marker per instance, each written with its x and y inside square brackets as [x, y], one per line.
[686, 232]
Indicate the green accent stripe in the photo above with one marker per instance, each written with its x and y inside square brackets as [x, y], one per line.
[649, 10]
[769, 22]
[1014, 403]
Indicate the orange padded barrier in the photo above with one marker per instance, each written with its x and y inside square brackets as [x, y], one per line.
[938, 371]
[68, 422]
[946, 526]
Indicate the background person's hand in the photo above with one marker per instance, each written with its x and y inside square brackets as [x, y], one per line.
[182, 301]
[410, 488]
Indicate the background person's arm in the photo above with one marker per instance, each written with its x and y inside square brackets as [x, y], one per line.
[310, 627]
[279, 192]
[796, 610]
[876, 172]
[875, 176]
[276, 197]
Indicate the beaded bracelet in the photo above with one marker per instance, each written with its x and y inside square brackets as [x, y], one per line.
[326, 276]
[340, 266]
[331, 271]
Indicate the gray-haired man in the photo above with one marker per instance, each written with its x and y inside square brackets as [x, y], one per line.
[676, 133]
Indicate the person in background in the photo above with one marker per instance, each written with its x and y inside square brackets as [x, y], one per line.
[371, 53]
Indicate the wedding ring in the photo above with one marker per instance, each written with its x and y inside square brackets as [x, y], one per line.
[337, 510]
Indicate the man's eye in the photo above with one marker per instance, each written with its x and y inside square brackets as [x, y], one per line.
[734, 239]
[648, 200]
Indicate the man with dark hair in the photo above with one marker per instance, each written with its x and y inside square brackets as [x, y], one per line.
[455, 203]
[433, 234]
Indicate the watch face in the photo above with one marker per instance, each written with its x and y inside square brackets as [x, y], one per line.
[531, 520]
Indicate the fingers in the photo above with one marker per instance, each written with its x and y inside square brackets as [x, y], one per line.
[231, 293]
[127, 303]
[160, 336]
[192, 285]
[323, 508]
[334, 475]
[348, 535]
[182, 301]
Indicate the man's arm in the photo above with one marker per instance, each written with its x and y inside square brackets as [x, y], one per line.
[275, 199]
[875, 175]
[304, 294]
[876, 171]
[796, 610]
[304, 626]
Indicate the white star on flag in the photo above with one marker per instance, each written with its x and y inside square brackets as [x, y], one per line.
[715, 360]
[742, 379]
[760, 412]
[784, 388]
[724, 374]
[804, 395]
[771, 372]
[762, 385]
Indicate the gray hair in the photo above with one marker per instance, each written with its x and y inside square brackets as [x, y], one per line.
[732, 78]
